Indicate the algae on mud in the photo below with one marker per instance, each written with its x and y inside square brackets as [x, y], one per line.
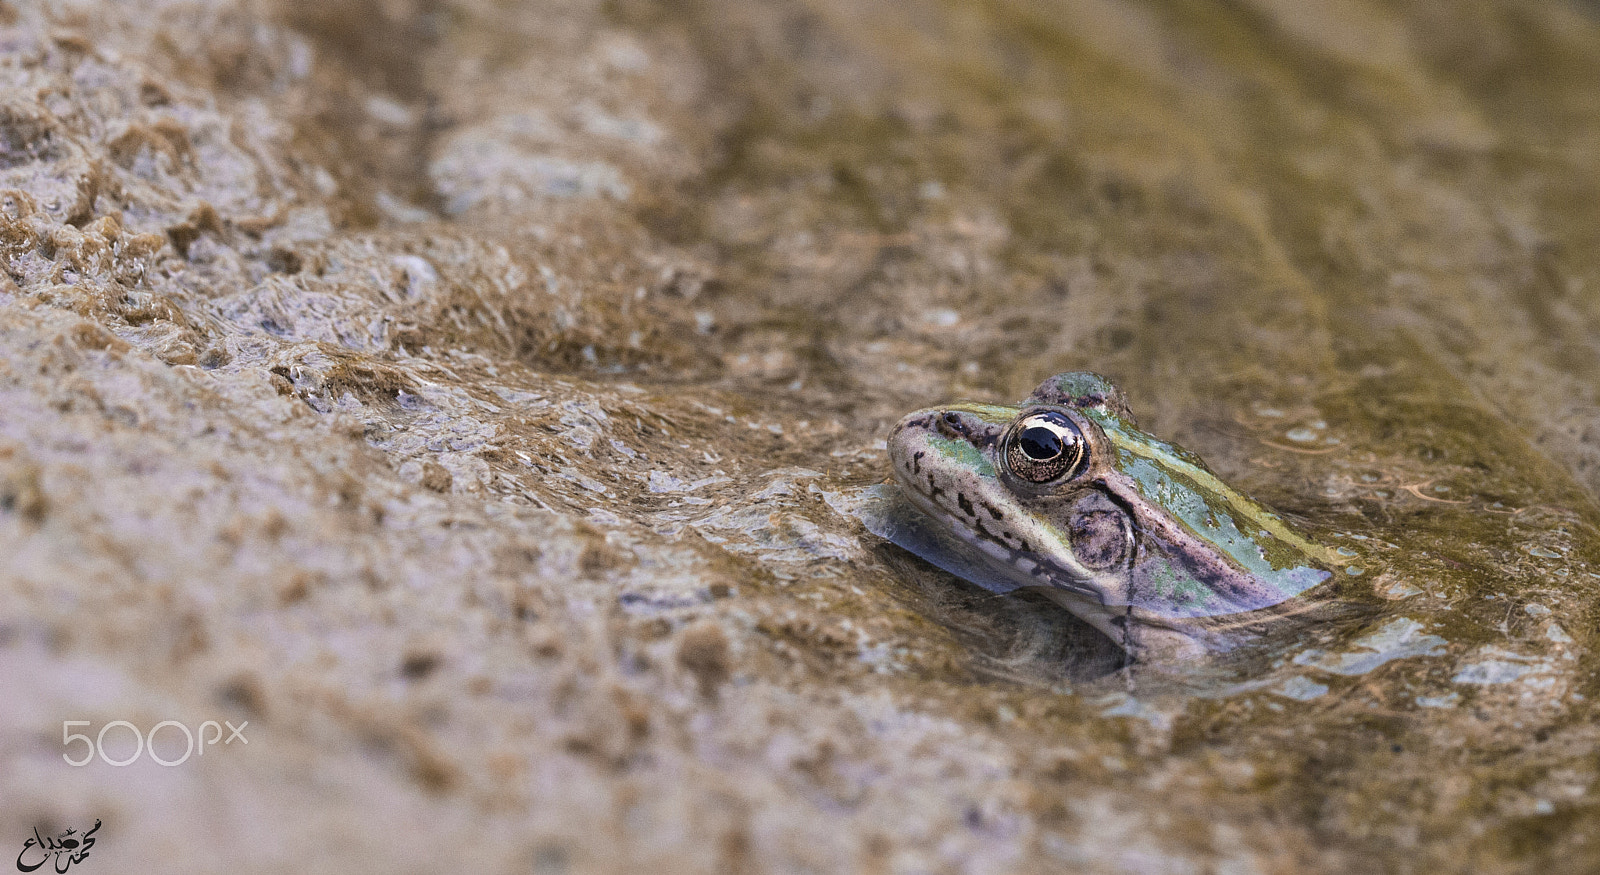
[472, 396]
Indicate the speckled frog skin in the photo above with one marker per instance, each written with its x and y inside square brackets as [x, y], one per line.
[1065, 494]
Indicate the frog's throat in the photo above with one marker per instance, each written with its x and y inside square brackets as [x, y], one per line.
[1143, 635]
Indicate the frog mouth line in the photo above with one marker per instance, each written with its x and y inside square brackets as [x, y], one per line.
[1039, 571]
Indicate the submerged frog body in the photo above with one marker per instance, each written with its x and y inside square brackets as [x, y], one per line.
[1065, 494]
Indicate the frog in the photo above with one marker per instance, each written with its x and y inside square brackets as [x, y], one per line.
[1064, 494]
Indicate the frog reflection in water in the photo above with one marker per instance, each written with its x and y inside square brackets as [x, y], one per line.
[1065, 494]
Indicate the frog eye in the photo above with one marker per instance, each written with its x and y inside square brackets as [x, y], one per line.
[1044, 446]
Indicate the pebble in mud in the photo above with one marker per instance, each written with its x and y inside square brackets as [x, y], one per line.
[703, 651]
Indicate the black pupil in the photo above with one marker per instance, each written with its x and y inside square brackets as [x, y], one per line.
[1039, 443]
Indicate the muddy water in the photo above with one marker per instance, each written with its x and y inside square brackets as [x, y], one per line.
[474, 397]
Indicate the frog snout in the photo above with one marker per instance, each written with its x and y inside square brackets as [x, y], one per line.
[901, 435]
[950, 424]
[961, 425]
[912, 438]
[898, 433]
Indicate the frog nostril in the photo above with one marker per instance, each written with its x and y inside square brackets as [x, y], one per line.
[950, 424]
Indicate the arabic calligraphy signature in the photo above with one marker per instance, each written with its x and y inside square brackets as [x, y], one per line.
[68, 848]
[44, 855]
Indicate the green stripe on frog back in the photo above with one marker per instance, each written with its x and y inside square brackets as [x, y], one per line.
[994, 414]
[1175, 479]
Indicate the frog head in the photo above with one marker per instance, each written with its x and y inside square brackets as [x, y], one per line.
[1064, 493]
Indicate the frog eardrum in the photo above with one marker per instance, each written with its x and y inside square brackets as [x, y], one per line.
[1066, 495]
